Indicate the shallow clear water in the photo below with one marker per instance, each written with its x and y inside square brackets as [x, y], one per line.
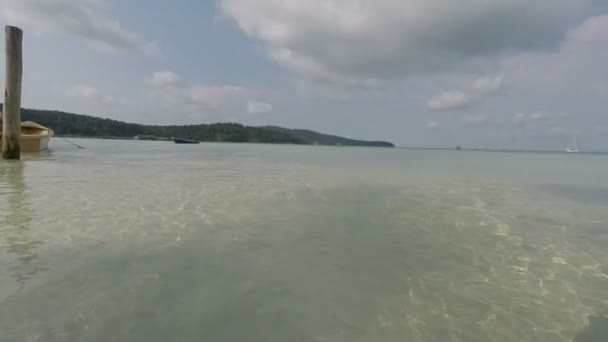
[152, 241]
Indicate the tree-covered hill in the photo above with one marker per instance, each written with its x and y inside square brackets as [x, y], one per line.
[69, 124]
[326, 139]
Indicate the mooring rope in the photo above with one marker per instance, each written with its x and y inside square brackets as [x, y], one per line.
[69, 142]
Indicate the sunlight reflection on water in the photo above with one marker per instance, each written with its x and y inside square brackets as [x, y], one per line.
[150, 241]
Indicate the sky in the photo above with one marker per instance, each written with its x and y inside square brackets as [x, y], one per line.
[512, 74]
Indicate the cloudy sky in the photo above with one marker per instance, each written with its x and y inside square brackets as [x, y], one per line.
[476, 73]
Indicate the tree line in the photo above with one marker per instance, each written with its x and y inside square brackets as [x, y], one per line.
[69, 124]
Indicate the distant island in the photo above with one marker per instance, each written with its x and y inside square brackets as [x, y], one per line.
[326, 139]
[77, 125]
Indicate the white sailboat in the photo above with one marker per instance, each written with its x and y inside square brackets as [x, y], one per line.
[573, 149]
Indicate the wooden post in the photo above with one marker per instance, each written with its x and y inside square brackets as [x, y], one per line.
[11, 110]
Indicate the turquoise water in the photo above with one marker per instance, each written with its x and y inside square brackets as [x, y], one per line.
[152, 241]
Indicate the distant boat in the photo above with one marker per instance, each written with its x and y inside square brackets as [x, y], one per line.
[185, 141]
[573, 149]
[34, 137]
[148, 137]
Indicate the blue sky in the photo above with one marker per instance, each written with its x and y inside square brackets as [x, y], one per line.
[498, 74]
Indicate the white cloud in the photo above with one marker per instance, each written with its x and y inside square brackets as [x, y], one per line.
[167, 90]
[163, 78]
[83, 92]
[212, 95]
[94, 95]
[519, 118]
[361, 42]
[486, 85]
[537, 116]
[112, 101]
[432, 124]
[592, 31]
[85, 19]
[258, 107]
[480, 87]
[528, 119]
[449, 100]
[474, 119]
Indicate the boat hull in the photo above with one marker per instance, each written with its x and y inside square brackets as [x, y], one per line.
[33, 144]
[34, 138]
[185, 141]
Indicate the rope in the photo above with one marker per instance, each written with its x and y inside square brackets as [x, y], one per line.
[69, 142]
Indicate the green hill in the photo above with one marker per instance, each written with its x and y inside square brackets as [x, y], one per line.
[69, 124]
[326, 139]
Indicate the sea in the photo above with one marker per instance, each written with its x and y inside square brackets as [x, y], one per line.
[154, 241]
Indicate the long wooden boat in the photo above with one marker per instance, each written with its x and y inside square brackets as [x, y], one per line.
[34, 137]
[185, 141]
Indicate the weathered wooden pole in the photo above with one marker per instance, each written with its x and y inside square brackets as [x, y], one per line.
[11, 110]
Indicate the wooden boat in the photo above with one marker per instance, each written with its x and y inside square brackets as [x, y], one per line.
[34, 137]
[185, 141]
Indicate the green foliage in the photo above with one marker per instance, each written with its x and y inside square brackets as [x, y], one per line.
[81, 125]
[68, 124]
[223, 132]
[326, 139]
